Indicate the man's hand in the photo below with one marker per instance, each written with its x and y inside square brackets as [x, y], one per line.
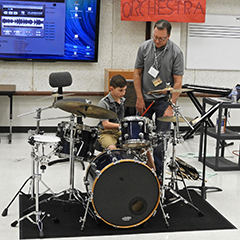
[140, 105]
[168, 112]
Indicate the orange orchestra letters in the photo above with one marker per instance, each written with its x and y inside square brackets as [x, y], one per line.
[171, 10]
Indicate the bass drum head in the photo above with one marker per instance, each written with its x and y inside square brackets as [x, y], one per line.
[126, 193]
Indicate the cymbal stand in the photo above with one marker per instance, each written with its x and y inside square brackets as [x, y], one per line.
[177, 138]
[35, 193]
[172, 187]
[38, 118]
[75, 195]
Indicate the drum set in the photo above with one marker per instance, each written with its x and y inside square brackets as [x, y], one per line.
[121, 189]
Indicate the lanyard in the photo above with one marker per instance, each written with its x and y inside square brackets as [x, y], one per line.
[157, 63]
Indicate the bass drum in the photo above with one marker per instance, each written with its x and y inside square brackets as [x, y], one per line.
[125, 192]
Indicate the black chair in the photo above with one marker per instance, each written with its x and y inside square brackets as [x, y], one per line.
[60, 80]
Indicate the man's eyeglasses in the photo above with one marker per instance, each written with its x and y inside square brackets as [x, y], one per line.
[159, 39]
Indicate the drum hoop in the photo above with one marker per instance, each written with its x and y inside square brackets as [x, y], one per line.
[46, 139]
[77, 126]
[89, 129]
[137, 141]
[133, 225]
[134, 118]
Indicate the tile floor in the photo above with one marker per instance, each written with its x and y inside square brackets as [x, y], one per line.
[16, 168]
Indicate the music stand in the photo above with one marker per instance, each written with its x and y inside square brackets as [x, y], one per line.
[204, 122]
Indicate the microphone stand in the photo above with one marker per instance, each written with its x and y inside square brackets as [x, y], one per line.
[204, 120]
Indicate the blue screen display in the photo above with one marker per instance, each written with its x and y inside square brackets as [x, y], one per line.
[49, 30]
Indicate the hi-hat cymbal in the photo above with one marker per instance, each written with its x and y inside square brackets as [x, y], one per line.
[174, 119]
[80, 107]
[170, 90]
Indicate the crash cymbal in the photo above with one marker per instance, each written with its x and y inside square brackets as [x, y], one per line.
[174, 119]
[170, 90]
[55, 95]
[80, 107]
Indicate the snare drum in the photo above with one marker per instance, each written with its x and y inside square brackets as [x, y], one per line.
[125, 192]
[136, 132]
[44, 139]
[84, 137]
[43, 146]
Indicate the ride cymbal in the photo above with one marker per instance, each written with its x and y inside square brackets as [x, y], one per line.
[82, 108]
[174, 119]
[170, 90]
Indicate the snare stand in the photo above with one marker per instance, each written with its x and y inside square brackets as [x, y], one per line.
[36, 179]
[33, 155]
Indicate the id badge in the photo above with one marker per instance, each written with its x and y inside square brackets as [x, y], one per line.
[153, 72]
[156, 81]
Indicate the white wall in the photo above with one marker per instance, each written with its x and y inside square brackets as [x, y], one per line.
[212, 78]
[118, 44]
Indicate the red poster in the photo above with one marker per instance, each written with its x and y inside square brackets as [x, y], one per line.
[171, 10]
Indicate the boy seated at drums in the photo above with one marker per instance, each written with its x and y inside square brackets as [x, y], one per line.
[109, 128]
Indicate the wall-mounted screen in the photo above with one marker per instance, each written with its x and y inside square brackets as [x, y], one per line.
[50, 30]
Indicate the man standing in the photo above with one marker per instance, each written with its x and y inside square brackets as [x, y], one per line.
[159, 64]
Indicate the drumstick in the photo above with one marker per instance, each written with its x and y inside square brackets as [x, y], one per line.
[147, 109]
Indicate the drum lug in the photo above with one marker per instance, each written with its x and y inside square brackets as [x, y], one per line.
[129, 151]
[126, 136]
[141, 135]
[79, 131]
[109, 152]
[31, 140]
[137, 159]
[140, 124]
[94, 165]
[93, 134]
[89, 154]
[151, 128]
[86, 182]
[74, 150]
[154, 213]
[90, 195]
[98, 173]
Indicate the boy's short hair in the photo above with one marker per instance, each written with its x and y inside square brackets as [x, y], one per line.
[118, 81]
